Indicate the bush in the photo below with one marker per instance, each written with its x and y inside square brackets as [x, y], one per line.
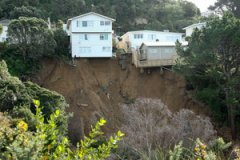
[16, 98]
[17, 65]
[149, 125]
[19, 143]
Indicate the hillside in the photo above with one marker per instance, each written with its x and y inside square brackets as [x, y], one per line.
[96, 87]
[129, 14]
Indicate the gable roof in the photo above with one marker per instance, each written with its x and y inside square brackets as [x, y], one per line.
[195, 25]
[89, 13]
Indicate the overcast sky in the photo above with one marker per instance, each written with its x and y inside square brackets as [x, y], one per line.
[203, 4]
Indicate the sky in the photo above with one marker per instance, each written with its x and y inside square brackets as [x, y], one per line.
[203, 4]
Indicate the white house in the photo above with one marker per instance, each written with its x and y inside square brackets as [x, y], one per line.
[3, 35]
[189, 29]
[90, 35]
[156, 54]
[131, 41]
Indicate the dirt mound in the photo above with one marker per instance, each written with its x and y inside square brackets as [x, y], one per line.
[95, 88]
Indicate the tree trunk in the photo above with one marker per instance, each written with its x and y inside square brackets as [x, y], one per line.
[231, 116]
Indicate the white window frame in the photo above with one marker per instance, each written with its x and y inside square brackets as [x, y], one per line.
[83, 37]
[106, 49]
[103, 36]
[138, 36]
[152, 36]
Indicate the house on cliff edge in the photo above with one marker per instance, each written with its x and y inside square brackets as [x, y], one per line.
[90, 35]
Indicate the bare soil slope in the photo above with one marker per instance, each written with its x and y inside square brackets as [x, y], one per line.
[96, 87]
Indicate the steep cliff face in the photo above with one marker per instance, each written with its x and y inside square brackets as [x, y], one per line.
[96, 87]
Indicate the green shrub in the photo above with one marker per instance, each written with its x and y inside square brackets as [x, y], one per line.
[45, 144]
[16, 98]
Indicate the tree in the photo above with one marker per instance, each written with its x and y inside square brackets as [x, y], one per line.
[230, 5]
[211, 63]
[32, 37]
[1, 29]
[16, 99]
[25, 11]
[62, 41]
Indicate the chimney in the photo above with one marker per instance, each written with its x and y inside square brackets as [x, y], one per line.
[166, 30]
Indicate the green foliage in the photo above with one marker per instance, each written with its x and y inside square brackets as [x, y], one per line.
[31, 37]
[1, 28]
[211, 64]
[230, 5]
[45, 143]
[16, 98]
[25, 11]
[219, 146]
[130, 14]
[215, 100]
[17, 65]
[216, 150]
[63, 43]
[30, 41]
[176, 153]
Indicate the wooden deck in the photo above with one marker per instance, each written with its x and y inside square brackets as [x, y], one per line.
[152, 63]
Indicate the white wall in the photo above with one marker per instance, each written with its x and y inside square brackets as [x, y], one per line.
[190, 29]
[152, 36]
[92, 47]
[65, 29]
[3, 36]
[94, 21]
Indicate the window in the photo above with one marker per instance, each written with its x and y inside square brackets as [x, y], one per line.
[85, 49]
[107, 23]
[84, 23]
[152, 37]
[138, 36]
[77, 23]
[84, 37]
[173, 38]
[106, 49]
[103, 36]
[101, 23]
[87, 23]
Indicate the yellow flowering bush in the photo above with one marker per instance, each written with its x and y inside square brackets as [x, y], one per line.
[45, 144]
[22, 126]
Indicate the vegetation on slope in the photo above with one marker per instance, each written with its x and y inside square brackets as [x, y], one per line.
[211, 64]
[30, 40]
[17, 142]
[129, 14]
[16, 99]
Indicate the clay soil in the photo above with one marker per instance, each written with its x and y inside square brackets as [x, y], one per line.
[95, 88]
